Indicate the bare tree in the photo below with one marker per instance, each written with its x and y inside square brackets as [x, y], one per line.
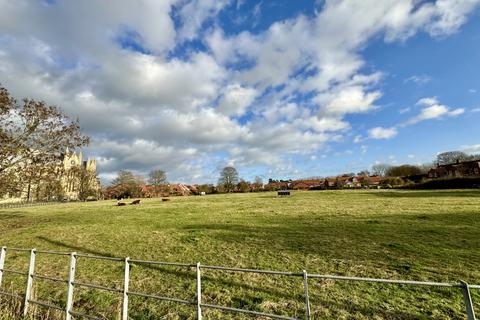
[228, 179]
[32, 134]
[451, 157]
[380, 169]
[158, 179]
[257, 184]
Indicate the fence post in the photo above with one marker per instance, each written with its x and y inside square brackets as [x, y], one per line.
[71, 279]
[126, 280]
[468, 300]
[199, 293]
[28, 290]
[3, 253]
[307, 298]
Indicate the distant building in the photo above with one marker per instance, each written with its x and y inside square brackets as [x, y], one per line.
[78, 180]
[306, 184]
[274, 185]
[457, 169]
[178, 189]
[79, 176]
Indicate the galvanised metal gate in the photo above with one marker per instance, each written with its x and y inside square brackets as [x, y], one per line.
[71, 283]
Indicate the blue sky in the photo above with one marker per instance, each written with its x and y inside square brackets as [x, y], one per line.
[283, 89]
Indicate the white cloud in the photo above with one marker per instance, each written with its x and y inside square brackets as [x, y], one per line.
[236, 99]
[432, 109]
[363, 149]
[382, 133]
[474, 110]
[347, 100]
[193, 15]
[419, 79]
[471, 149]
[428, 101]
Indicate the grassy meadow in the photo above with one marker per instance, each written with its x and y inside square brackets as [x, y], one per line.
[415, 235]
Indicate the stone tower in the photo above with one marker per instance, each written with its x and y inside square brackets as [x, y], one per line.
[72, 160]
[79, 175]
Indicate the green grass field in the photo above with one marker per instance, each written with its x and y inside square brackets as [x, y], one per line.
[416, 235]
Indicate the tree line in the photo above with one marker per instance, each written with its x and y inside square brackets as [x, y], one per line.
[126, 184]
[405, 170]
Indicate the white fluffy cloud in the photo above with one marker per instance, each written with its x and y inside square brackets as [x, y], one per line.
[236, 99]
[347, 100]
[382, 133]
[432, 109]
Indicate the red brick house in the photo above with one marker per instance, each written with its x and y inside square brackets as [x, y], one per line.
[457, 169]
[306, 184]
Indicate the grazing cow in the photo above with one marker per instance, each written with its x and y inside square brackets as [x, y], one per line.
[165, 199]
[121, 204]
[135, 201]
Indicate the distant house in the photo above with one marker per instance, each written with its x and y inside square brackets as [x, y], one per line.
[351, 182]
[330, 183]
[339, 182]
[150, 191]
[182, 189]
[457, 169]
[274, 185]
[306, 184]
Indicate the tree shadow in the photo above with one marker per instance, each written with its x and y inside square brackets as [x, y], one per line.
[168, 270]
[428, 194]
[11, 215]
[75, 248]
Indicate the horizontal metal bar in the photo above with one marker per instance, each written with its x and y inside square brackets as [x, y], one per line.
[84, 315]
[44, 304]
[18, 249]
[95, 286]
[408, 282]
[213, 306]
[163, 263]
[281, 273]
[14, 271]
[99, 257]
[145, 295]
[474, 286]
[11, 294]
[60, 253]
[39, 276]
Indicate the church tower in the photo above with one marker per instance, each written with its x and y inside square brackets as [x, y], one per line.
[79, 175]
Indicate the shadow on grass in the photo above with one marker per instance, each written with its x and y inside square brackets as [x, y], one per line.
[370, 311]
[75, 248]
[11, 215]
[381, 238]
[428, 194]
[166, 270]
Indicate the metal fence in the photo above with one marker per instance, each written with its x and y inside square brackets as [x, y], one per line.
[24, 204]
[71, 283]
